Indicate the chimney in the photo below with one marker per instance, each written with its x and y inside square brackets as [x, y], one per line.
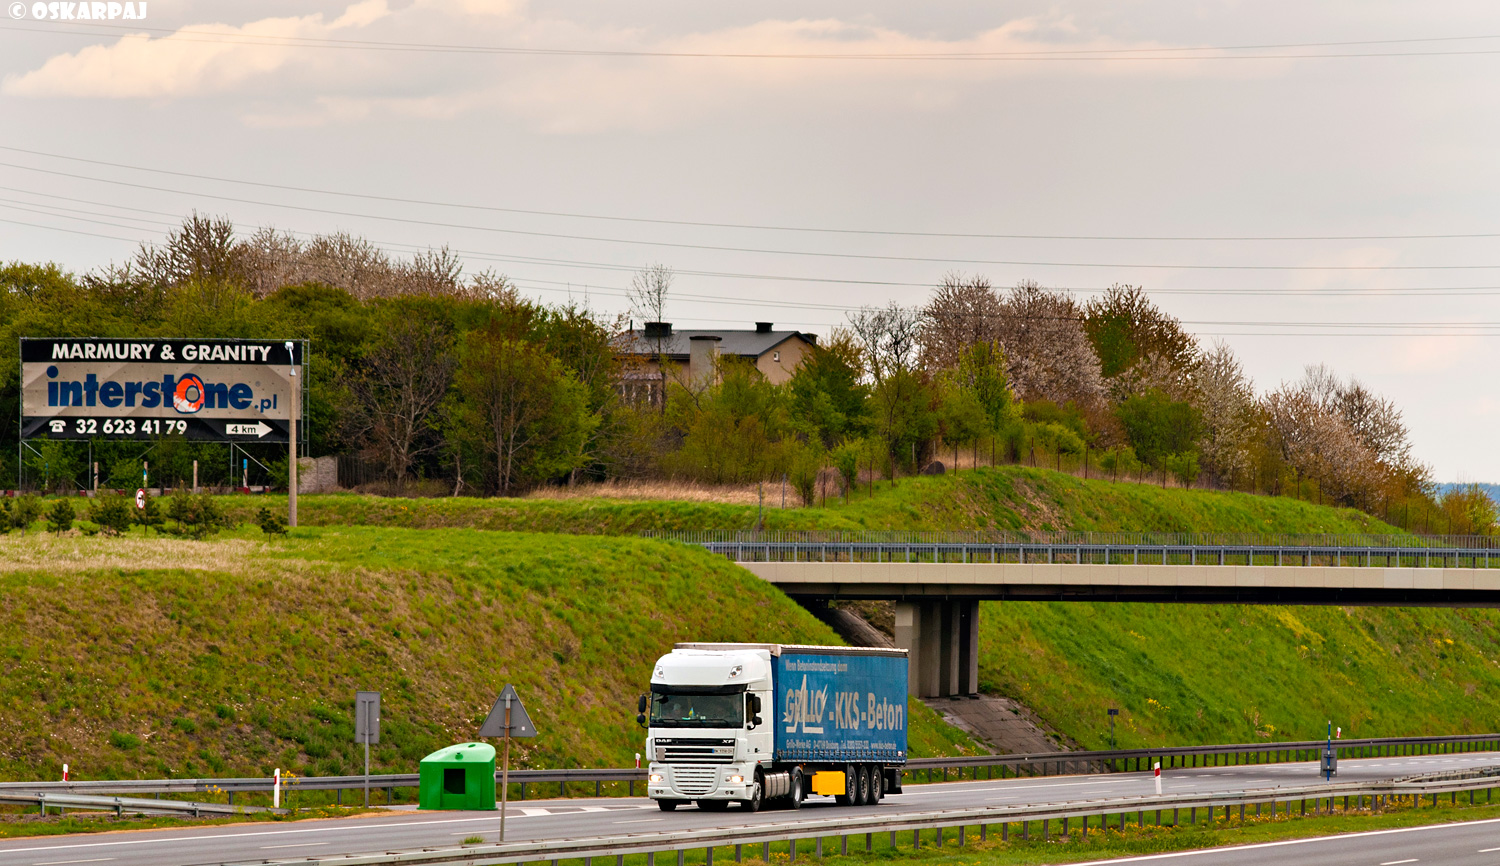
[704, 349]
[658, 330]
[762, 327]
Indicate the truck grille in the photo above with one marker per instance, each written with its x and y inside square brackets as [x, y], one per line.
[694, 751]
[695, 780]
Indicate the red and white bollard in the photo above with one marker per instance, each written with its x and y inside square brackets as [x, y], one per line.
[65, 772]
[1156, 771]
[276, 789]
[637, 760]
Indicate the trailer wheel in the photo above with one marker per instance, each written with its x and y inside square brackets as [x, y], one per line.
[863, 796]
[797, 793]
[851, 787]
[877, 785]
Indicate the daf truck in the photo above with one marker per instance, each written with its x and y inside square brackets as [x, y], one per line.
[756, 724]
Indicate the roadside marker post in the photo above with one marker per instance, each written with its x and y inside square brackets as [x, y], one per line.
[1157, 774]
[276, 789]
[508, 718]
[65, 772]
[367, 729]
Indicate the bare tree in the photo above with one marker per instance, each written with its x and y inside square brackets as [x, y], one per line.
[203, 249]
[889, 337]
[648, 292]
[961, 312]
[405, 376]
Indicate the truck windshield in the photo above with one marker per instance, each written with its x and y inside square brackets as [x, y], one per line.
[697, 711]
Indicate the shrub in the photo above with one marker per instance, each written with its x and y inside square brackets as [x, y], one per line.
[1183, 466]
[150, 516]
[60, 516]
[124, 742]
[197, 516]
[111, 512]
[270, 522]
[25, 512]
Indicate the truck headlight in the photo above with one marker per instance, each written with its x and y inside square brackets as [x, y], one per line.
[656, 777]
[736, 780]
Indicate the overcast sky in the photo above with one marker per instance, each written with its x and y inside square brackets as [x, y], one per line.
[1081, 121]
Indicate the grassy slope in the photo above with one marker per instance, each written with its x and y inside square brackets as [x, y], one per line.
[129, 657]
[1003, 498]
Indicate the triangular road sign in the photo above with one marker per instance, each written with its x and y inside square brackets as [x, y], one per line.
[520, 722]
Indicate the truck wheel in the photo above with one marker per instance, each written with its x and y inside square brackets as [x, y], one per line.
[863, 797]
[795, 795]
[851, 787]
[713, 805]
[877, 785]
[667, 805]
[757, 796]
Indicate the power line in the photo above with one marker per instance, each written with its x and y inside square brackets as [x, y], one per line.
[758, 250]
[752, 226]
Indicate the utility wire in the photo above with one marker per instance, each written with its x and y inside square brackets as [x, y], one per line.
[757, 250]
[752, 226]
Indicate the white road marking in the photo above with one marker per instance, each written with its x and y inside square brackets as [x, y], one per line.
[640, 821]
[1398, 862]
[60, 862]
[1487, 850]
[535, 813]
[293, 845]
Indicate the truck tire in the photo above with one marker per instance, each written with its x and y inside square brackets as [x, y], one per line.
[877, 785]
[667, 805]
[757, 795]
[851, 787]
[863, 797]
[795, 796]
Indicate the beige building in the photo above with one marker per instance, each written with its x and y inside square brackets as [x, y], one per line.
[691, 356]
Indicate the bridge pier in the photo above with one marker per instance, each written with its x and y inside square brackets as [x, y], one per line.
[942, 636]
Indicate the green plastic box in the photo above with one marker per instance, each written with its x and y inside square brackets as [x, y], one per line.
[458, 777]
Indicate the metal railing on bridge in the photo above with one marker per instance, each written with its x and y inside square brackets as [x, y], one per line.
[1099, 548]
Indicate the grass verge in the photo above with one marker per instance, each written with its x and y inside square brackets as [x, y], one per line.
[20, 825]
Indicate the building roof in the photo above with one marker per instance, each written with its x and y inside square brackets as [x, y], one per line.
[748, 343]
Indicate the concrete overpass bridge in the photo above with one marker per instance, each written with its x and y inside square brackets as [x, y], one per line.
[938, 579]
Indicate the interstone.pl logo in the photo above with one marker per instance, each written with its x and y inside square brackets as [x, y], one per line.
[65, 11]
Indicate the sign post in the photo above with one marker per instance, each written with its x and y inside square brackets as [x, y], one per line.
[507, 718]
[367, 729]
[291, 444]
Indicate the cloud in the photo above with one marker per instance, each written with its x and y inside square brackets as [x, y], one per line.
[197, 60]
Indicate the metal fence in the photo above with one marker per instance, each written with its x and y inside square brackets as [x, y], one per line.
[1103, 815]
[1116, 548]
[917, 770]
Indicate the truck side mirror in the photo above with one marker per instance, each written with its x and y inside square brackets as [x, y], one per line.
[641, 720]
[640, 704]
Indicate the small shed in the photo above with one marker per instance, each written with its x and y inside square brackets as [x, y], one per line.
[458, 777]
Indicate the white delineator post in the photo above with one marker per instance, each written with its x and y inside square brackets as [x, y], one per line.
[1157, 773]
[65, 772]
[276, 789]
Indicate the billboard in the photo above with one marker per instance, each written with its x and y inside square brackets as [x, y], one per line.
[216, 390]
[840, 706]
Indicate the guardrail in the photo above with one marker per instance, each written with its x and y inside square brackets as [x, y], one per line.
[917, 769]
[120, 805]
[1115, 810]
[1096, 548]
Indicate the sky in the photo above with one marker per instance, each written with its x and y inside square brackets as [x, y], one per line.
[1311, 183]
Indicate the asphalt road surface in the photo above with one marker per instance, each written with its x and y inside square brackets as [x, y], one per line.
[407, 829]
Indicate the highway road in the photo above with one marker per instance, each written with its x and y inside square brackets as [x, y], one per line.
[1473, 843]
[406, 829]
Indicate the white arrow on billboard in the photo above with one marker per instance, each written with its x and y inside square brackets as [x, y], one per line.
[258, 429]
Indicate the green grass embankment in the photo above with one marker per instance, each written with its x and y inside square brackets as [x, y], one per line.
[1009, 497]
[132, 657]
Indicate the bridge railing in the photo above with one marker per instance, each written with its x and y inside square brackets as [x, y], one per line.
[1105, 548]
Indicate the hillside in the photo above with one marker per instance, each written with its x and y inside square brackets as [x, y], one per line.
[134, 657]
[1007, 497]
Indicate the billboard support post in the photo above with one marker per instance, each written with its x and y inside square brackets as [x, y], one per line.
[291, 445]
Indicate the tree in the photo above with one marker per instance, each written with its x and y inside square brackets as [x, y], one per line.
[60, 516]
[403, 378]
[904, 421]
[1139, 347]
[1225, 399]
[1159, 426]
[888, 338]
[827, 395]
[734, 432]
[526, 412]
[149, 516]
[648, 299]
[962, 311]
[112, 512]
[1048, 355]
[25, 512]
